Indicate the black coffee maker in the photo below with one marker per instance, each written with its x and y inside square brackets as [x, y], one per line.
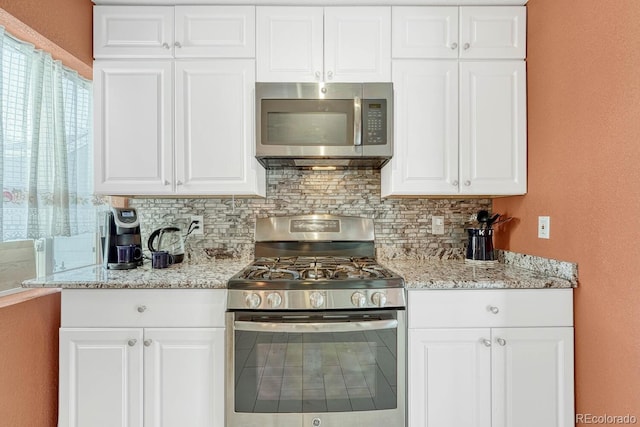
[122, 243]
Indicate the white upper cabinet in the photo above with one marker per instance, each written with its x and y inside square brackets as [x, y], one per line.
[460, 128]
[307, 44]
[488, 32]
[426, 129]
[493, 133]
[289, 46]
[167, 31]
[215, 31]
[133, 105]
[214, 142]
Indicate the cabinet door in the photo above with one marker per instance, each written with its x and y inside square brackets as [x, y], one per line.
[100, 377]
[533, 365]
[493, 32]
[214, 128]
[132, 31]
[215, 31]
[449, 383]
[493, 147]
[357, 44]
[289, 44]
[184, 377]
[425, 32]
[425, 159]
[133, 120]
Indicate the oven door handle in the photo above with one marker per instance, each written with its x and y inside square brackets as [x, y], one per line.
[371, 325]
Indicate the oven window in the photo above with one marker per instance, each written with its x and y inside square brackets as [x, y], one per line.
[282, 372]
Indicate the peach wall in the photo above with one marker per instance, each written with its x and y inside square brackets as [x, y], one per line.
[29, 362]
[67, 24]
[584, 171]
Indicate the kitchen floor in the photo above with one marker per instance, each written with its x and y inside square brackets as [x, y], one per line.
[319, 372]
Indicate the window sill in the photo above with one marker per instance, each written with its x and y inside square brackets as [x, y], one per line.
[19, 295]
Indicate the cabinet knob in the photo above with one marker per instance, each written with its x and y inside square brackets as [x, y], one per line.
[501, 341]
[330, 75]
[454, 46]
[142, 308]
[166, 182]
[177, 44]
[467, 183]
[165, 45]
[466, 46]
[132, 342]
[147, 343]
[486, 342]
[455, 183]
[178, 182]
[493, 309]
[318, 75]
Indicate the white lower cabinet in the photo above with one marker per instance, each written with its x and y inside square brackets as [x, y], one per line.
[142, 376]
[486, 363]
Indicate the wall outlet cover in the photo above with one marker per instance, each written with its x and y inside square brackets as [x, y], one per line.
[544, 227]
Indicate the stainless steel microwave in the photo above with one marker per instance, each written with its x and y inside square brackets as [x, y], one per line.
[324, 125]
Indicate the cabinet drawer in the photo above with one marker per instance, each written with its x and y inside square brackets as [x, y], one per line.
[143, 307]
[490, 308]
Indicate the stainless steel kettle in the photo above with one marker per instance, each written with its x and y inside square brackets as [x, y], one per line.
[169, 239]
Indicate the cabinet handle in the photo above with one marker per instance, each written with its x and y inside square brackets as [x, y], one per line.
[467, 183]
[466, 46]
[147, 343]
[165, 45]
[486, 342]
[501, 341]
[132, 342]
[177, 44]
[493, 309]
[454, 46]
[142, 308]
[330, 75]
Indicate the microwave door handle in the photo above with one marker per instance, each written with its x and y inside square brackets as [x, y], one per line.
[357, 121]
[371, 325]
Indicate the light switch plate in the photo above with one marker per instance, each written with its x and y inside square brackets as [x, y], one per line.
[544, 227]
[437, 225]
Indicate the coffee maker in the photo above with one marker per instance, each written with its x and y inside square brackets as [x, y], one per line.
[122, 243]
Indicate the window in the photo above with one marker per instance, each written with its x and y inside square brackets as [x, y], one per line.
[46, 167]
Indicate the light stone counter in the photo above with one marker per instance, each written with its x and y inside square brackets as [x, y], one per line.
[515, 272]
[456, 274]
[210, 274]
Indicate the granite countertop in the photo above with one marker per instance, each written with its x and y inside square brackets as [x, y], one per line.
[210, 274]
[457, 274]
[214, 273]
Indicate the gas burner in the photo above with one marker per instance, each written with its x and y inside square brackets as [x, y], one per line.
[260, 272]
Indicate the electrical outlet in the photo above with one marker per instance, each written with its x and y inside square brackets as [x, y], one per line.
[437, 225]
[544, 227]
[199, 227]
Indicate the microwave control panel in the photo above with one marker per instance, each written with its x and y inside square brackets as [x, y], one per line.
[374, 122]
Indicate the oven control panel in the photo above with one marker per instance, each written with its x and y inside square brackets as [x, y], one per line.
[319, 299]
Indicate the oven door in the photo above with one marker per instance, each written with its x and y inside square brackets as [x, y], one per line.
[331, 368]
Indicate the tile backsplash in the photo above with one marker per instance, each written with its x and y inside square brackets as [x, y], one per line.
[402, 225]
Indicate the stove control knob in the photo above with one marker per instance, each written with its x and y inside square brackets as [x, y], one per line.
[358, 299]
[274, 300]
[316, 299]
[379, 299]
[252, 300]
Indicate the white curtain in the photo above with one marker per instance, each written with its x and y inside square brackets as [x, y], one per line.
[46, 171]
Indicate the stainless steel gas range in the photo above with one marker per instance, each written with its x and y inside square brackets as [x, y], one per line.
[316, 328]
